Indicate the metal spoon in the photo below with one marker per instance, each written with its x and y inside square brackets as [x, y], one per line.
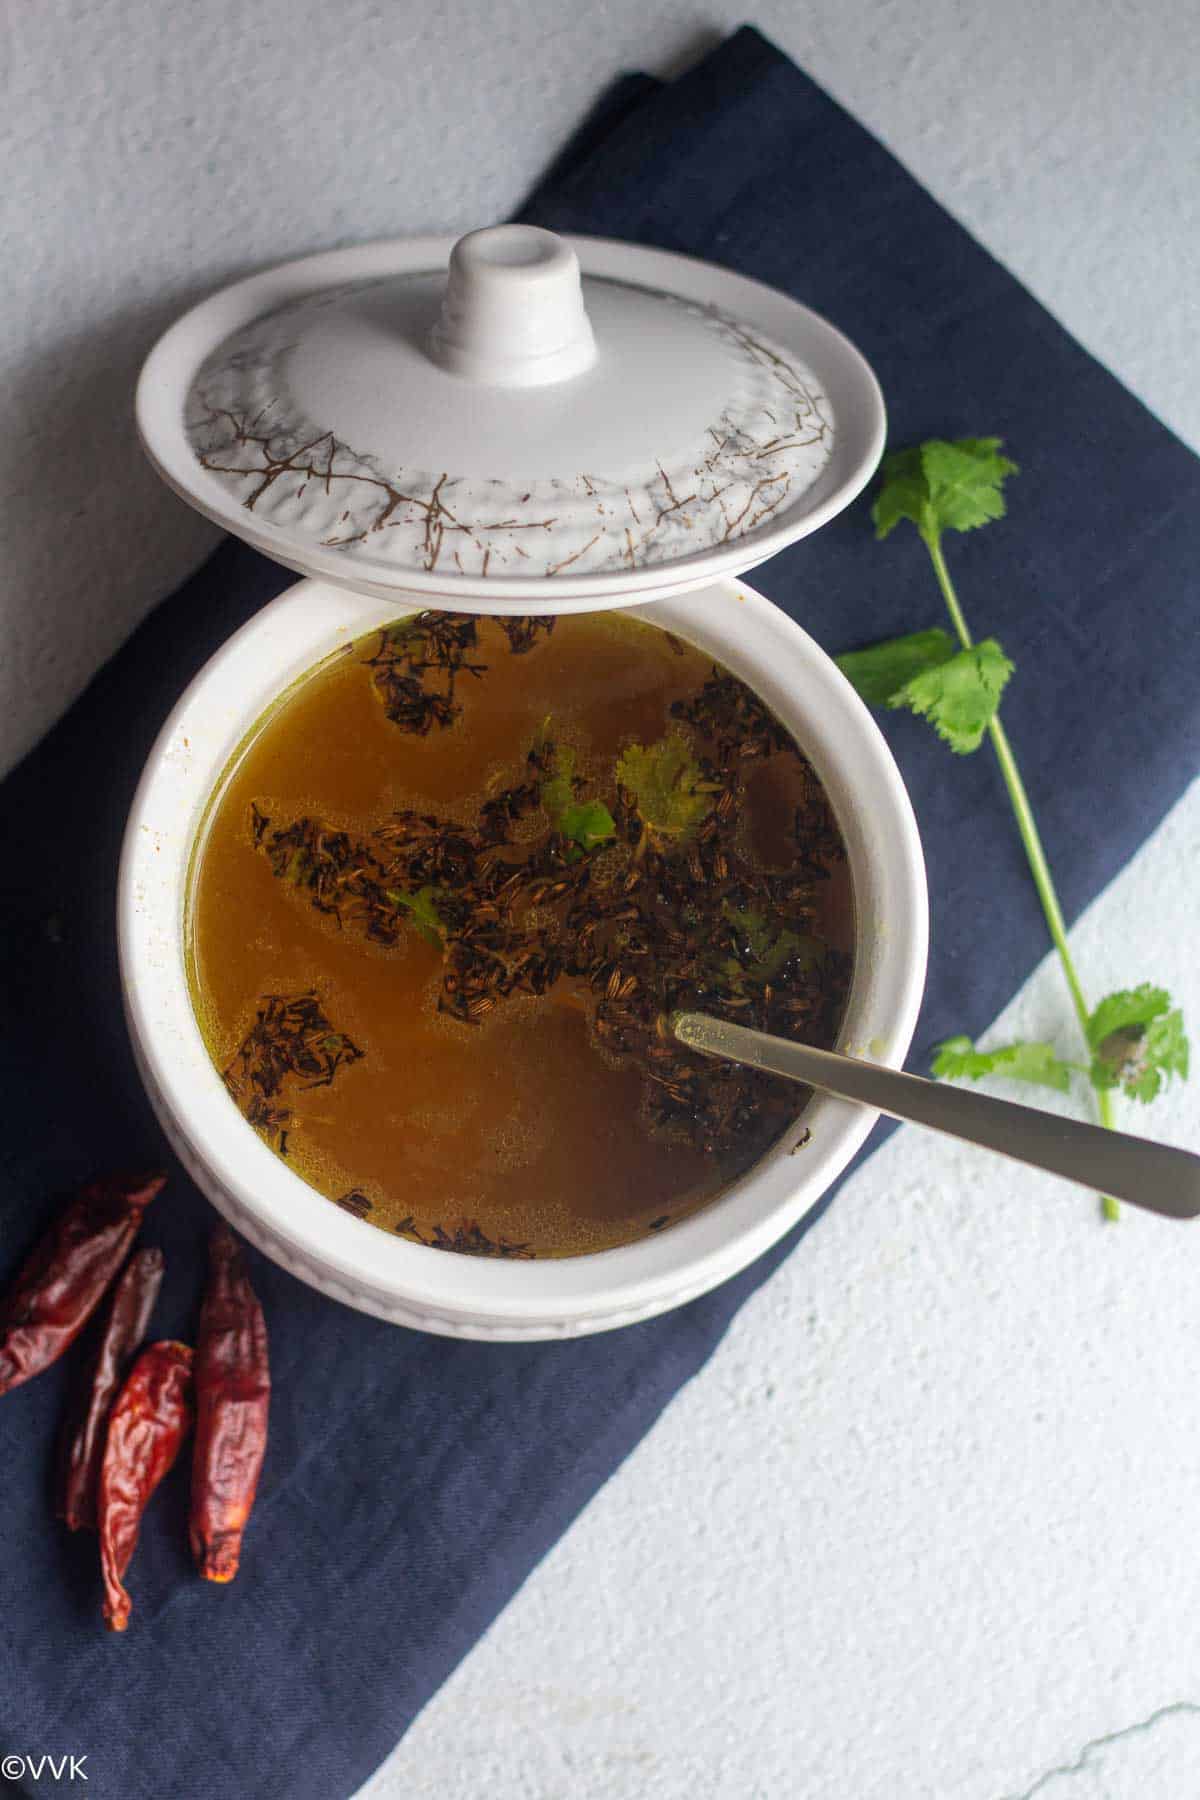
[1155, 1176]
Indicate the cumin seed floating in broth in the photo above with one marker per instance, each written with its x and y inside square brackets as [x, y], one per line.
[449, 890]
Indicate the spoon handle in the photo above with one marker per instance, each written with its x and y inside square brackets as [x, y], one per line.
[1155, 1176]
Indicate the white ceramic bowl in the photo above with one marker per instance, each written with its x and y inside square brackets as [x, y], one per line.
[464, 1296]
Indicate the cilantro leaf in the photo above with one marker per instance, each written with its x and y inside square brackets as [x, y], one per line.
[587, 823]
[1127, 1007]
[904, 494]
[941, 486]
[959, 697]
[965, 481]
[1138, 1040]
[879, 673]
[558, 788]
[958, 691]
[957, 1059]
[667, 785]
[769, 951]
[423, 915]
[1164, 1052]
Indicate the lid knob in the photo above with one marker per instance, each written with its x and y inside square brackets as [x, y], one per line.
[513, 313]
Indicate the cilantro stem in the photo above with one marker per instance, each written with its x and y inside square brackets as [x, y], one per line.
[1038, 866]
[933, 544]
[1035, 855]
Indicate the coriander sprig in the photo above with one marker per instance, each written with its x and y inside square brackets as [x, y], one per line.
[1135, 1038]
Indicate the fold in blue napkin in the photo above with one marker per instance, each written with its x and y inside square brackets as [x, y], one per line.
[411, 1482]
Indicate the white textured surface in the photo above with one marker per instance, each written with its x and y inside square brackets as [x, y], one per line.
[152, 153]
[925, 1525]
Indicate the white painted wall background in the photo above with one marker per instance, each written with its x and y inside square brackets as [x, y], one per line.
[940, 1484]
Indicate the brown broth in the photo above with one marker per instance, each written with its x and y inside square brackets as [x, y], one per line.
[516, 1134]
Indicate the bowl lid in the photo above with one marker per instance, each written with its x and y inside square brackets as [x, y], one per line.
[511, 422]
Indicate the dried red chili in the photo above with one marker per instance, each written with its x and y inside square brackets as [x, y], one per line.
[65, 1278]
[149, 1421]
[82, 1446]
[233, 1396]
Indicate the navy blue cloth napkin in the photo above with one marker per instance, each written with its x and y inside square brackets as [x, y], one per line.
[412, 1483]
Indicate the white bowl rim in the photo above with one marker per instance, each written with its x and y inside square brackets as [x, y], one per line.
[473, 1296]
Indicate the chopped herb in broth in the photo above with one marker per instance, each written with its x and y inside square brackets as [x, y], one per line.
[451, 888]
[290, 1040]
[467, 1239]
[523, 634]
[409, 653]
